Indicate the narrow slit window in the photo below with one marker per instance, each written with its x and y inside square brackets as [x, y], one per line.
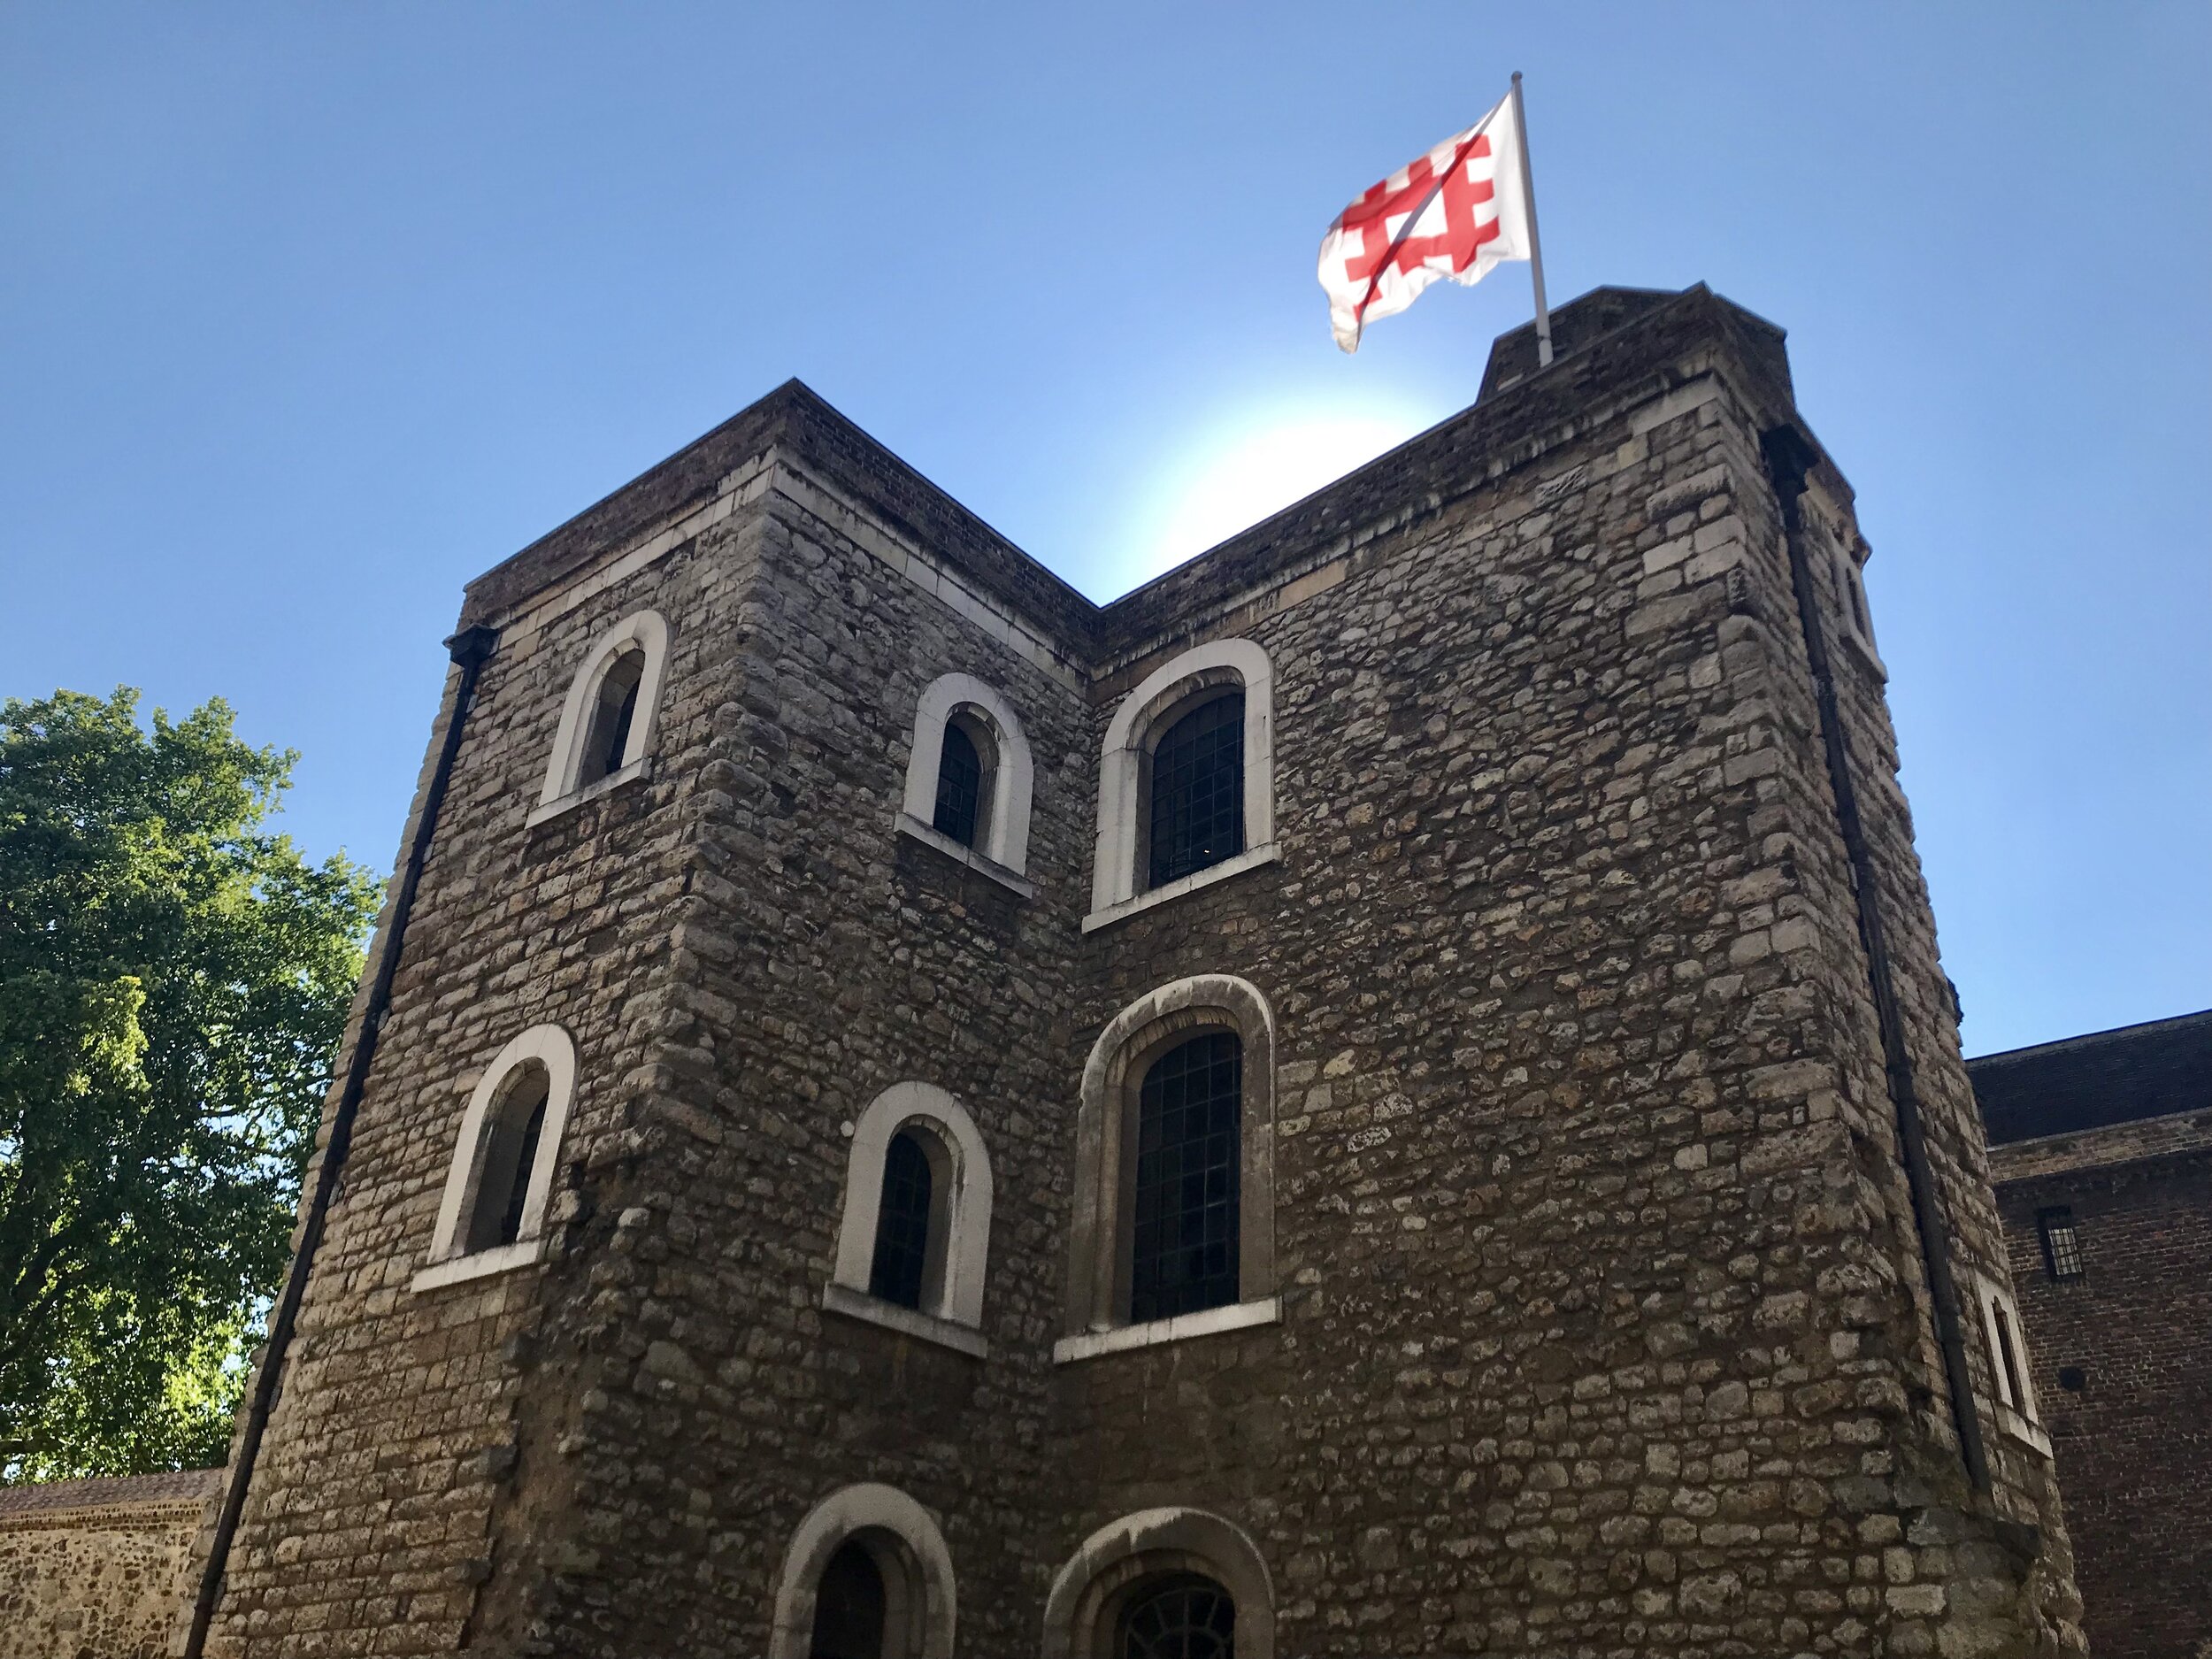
[1197, 818]
[1864, 622]
[1184, 1243]
[959, 786]
[2062, 1245]
[902, 1222]
[2009, 1357]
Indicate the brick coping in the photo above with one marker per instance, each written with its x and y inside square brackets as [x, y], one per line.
[188, 1487]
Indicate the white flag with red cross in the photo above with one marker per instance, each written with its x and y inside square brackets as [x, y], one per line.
[1455, 212]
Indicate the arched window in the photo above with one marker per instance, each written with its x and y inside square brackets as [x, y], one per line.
[1183, 1250]
[606, 729]
[517, 1123]
[963, 800]
[867, 1576]
[1173, 1228]
[1185, 782]
[915, 1237]
[1180, 1616]
[492, 1214]
[614, 712]
[904, 1221]
[1177, 1582]
[1197, 790]
[969, 778]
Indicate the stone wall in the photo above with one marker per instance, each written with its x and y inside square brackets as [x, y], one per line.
[92, 1568]
[1604, 1323]
[2122, 1368]
[1608, 1325]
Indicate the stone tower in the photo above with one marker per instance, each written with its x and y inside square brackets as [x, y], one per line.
[1389, 1092]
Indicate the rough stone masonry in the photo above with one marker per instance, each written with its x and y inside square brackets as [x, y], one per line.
[90, 1568]
[1587, 1301]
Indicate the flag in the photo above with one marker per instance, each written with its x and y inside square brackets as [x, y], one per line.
[1455, 212]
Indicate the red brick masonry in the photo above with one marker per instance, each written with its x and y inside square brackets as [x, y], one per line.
[2115, 1129]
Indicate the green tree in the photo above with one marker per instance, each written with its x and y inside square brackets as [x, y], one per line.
[174, 984]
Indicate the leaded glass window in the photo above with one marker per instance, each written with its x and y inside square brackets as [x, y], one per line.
[959, 786]
[1184, 1245]
[902, 1257]
[1183, 1618]
[1198, 790]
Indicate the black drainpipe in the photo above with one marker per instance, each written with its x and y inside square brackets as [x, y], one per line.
[1789, 458]
[470, 649]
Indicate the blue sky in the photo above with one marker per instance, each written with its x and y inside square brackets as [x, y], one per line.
[310, 313]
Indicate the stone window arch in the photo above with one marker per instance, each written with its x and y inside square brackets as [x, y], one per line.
[945, 1266]
[1125, 1570]
[1188, 1027]
[492, 1213]
[865, 1553]
[606, 729]
[992, 821]
[1208, 686]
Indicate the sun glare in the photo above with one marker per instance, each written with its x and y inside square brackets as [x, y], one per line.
[1262, 472]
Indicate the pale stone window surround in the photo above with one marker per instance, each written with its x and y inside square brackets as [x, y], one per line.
[1146, 711]
[1122, 1558]
[1858, 615]
[1098, 1264]
[908, 1550]
[643, 631]
[2008, 1364]
[1002, 836]
[960, 1216]
[448, 1263]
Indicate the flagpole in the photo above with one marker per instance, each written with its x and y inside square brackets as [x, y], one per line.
[1535, 243]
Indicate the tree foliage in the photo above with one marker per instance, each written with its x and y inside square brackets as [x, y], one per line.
[174, 984]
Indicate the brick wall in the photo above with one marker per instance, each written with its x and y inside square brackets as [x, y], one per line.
[2134, 1437]
[91, 1569]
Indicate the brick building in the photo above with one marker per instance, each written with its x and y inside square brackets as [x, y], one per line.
[1389, 1092]
[2100, 1148]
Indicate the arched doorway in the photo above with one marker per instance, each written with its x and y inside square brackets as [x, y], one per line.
[849, 1614]
[866, 1577]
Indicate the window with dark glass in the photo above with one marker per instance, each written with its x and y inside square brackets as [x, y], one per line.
[1198, 790]
[511, 1153]
[1185, 1618]
[2008, 1359]
[959, 786]
[2062, 1245]
[1183, 1240]
[613, 710]
[902, 1257]
[850, 1610]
